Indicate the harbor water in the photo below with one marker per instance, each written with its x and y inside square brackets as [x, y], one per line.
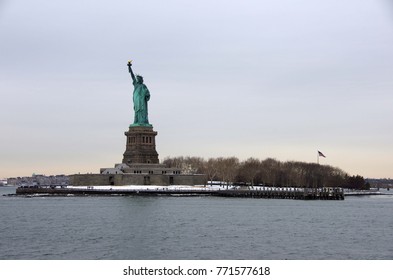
[134, 227]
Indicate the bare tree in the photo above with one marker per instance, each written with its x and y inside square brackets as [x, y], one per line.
[249, 169]
[270, 170]
[211, 169]
[227, 169]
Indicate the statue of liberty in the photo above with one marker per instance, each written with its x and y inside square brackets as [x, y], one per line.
[140, 97]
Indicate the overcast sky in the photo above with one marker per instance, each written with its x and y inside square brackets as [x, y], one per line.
[244, 78]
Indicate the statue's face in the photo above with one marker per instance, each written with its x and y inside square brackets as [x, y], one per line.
[140, 79]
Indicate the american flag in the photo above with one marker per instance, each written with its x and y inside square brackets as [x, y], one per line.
[320, 154]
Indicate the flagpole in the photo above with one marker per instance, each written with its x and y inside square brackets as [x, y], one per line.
[319, 154]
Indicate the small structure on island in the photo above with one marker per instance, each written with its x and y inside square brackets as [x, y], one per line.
[140, 164]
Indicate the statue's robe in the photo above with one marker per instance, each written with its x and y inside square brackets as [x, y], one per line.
[141, 96]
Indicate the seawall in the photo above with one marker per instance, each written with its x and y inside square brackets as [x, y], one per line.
[298, 193]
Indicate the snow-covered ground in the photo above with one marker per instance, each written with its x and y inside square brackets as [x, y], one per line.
[143, 187]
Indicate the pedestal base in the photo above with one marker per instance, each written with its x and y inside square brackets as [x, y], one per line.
[140, 146]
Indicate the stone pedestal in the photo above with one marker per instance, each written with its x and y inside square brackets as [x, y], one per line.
[140, 146]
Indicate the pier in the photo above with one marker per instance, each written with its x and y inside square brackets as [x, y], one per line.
[266, 192]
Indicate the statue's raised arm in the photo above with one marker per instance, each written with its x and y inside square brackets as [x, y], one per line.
[130, 70]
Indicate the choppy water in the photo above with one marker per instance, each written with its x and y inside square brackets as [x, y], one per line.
[121, 227]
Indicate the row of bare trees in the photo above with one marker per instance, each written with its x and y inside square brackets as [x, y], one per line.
[269, 172]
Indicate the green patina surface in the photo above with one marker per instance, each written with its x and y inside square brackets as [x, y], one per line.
[141, 96]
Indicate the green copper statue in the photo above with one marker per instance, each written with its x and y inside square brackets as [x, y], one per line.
[140, 97]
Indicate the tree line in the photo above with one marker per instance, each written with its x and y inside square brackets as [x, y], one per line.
[267, 172]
